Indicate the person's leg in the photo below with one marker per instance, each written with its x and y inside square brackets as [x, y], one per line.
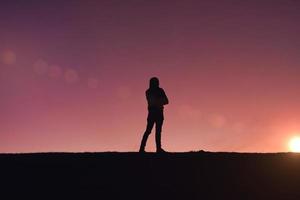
[158, 128]
[150, 124]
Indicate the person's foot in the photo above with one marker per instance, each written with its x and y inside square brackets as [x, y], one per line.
[142, 151]
[160, 151]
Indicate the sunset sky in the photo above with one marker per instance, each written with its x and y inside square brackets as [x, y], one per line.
[73, 74]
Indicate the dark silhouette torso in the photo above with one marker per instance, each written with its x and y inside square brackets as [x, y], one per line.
[156, 98]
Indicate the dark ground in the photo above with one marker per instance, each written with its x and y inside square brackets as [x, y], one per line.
[197, 175]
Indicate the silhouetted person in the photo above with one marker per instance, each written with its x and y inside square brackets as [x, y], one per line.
[156, 98]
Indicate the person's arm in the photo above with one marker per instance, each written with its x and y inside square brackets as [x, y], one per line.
[147, 96]
[165, 99]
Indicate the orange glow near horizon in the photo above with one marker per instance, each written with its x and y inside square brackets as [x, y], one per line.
[294, 144]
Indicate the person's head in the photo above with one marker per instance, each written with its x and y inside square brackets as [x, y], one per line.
[154, 82]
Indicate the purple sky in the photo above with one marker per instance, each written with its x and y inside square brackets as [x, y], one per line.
[73, 74]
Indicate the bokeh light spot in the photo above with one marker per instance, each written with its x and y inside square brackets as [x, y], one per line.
[54, 71]
[71, 76]
[217, 120]
[40, 67]
[8, 57]
[93, 83]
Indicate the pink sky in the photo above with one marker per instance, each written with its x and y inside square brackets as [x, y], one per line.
[73, 75]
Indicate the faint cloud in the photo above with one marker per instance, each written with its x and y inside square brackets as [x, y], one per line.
[40, 67]
[93, 83]
[217, 120]
[55, 71]
[124, 92]
[71, 76]
[8, 57]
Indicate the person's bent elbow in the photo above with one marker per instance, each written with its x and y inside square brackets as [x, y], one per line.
[166, 102]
